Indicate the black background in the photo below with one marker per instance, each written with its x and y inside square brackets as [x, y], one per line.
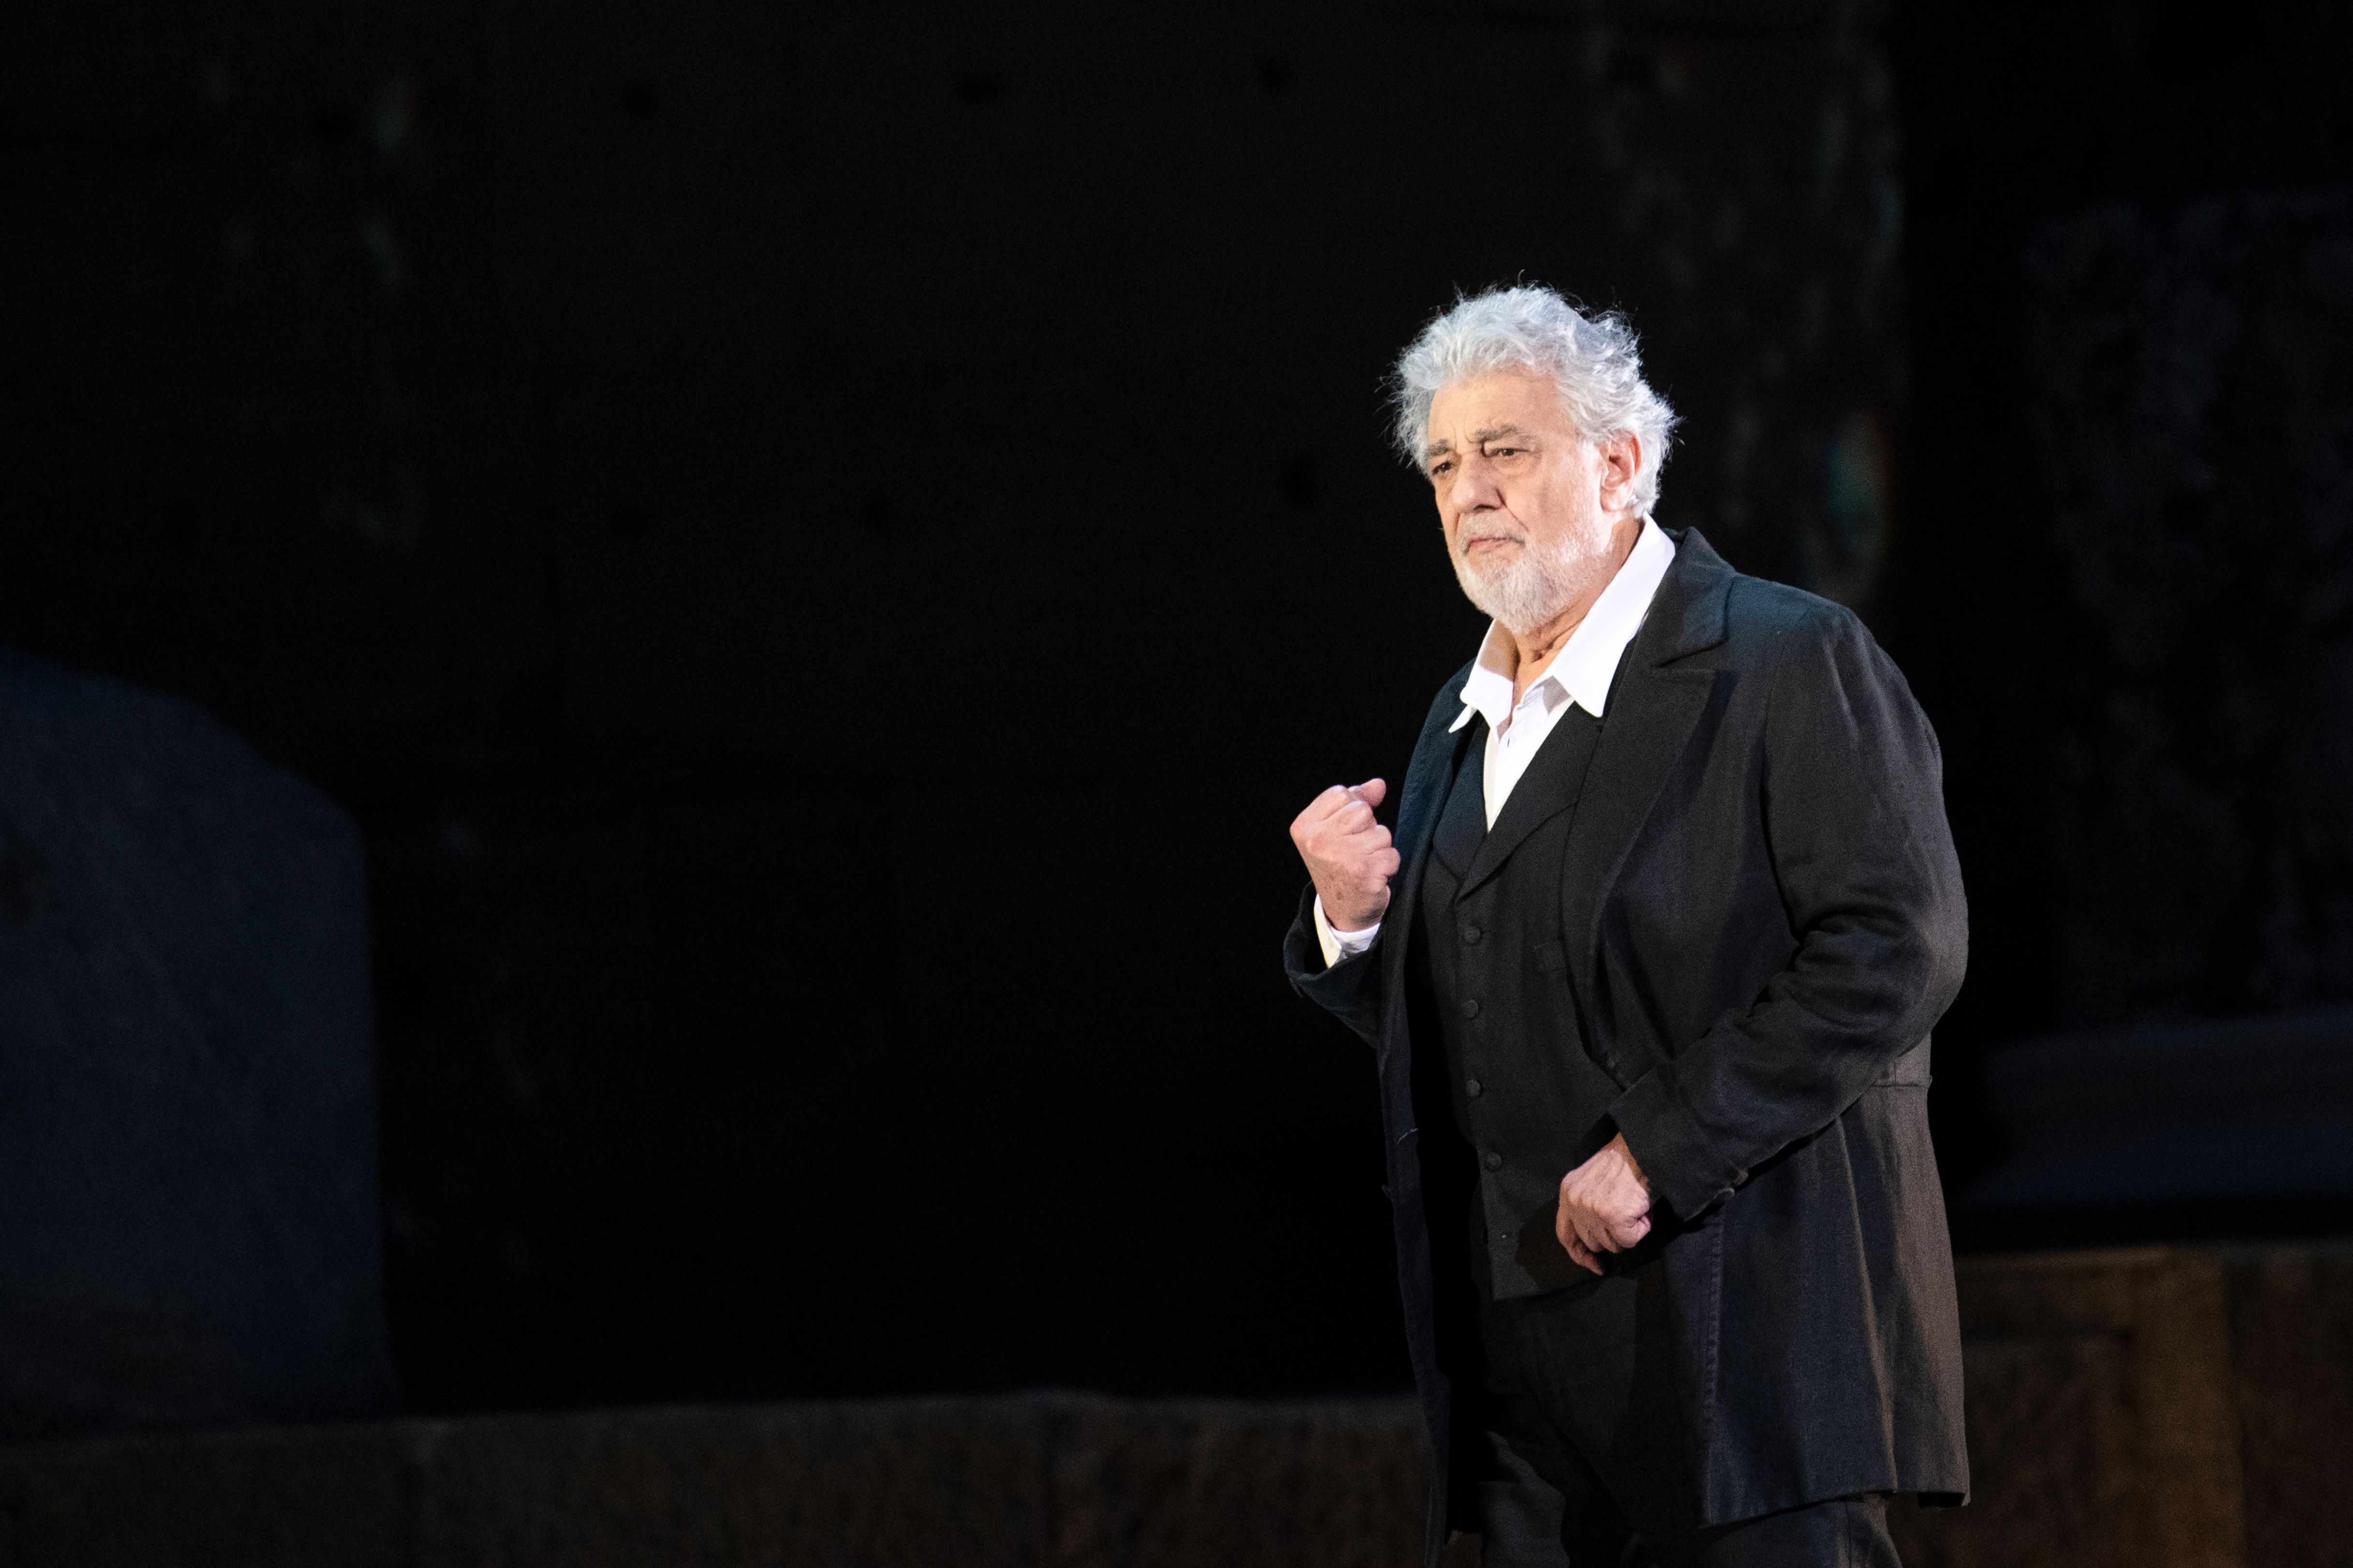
[823, 548]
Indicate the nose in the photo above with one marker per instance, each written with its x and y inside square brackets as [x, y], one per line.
[1474, 489]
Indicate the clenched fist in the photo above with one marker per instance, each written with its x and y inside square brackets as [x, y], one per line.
[1348, 853]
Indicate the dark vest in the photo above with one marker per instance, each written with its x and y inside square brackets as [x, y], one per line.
[1526, 1101]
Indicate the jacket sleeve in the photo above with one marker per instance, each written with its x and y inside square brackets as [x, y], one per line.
[1854, 816]
[1349, 990]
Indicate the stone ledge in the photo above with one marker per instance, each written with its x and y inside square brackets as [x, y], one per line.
[1033, 1480]
[2149, 1408]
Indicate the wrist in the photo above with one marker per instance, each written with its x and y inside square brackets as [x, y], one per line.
[1633, 1166]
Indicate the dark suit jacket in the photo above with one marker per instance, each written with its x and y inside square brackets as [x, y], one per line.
[1763, 919]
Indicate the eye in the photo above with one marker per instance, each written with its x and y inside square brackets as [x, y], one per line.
[1438, 469]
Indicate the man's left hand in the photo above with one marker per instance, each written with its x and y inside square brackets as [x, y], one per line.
[1605, 1206]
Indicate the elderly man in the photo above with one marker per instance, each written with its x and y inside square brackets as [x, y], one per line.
[1648, 970]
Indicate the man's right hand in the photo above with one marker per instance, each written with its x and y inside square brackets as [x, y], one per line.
[1348, 853]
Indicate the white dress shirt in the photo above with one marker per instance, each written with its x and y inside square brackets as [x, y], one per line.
[1580, 673]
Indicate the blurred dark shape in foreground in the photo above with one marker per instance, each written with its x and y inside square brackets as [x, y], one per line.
[188, 1194]
[2239, 1127]
[2149, 1408]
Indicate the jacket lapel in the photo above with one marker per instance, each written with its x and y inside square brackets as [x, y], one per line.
[1462, 818]
[1435, 757]
[1653, 709]
[1550, 787]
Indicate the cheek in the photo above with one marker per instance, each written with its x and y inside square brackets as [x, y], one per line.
[1578, 499]
[1550, 506]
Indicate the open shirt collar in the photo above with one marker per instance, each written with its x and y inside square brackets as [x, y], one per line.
[1581, 671]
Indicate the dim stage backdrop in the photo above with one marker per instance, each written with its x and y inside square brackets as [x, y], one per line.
[823, 546]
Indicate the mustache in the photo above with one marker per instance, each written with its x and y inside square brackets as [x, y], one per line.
[1463, 541]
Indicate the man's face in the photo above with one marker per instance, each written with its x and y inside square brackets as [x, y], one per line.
[1527, 503]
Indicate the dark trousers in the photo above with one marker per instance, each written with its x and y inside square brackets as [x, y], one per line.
[1583, 1463]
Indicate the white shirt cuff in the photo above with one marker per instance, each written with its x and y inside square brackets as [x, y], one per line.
[1340, 944]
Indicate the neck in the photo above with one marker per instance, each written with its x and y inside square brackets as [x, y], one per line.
[1538, 646]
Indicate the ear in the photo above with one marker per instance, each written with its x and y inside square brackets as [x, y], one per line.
[1621, 463]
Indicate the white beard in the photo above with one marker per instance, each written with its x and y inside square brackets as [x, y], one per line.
[1539, 583]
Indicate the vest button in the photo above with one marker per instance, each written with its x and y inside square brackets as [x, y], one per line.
[1470, 1007]
[1494, 1161]
[1471, 935]
[1475, 1088]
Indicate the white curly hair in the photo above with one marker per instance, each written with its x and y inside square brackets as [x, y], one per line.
[1593, 360]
